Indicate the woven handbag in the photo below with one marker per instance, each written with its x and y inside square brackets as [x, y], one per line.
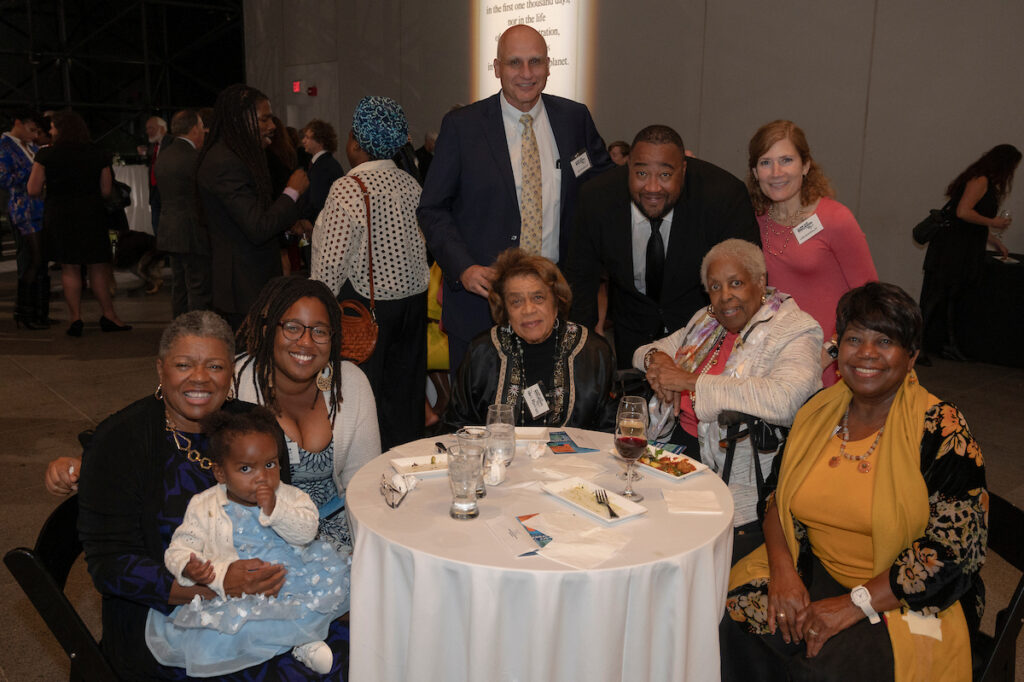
[358, 325]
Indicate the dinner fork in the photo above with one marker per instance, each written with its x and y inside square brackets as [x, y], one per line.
[602, 498]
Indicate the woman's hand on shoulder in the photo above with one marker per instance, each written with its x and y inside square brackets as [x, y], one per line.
[62, 476]
[254, 576]
[825, 618]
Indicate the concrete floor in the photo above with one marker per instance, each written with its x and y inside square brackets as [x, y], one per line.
[52, 387]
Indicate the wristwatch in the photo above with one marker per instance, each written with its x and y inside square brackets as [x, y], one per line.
[862, 598]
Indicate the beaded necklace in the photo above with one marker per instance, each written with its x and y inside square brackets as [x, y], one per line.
[705, 369]
[864, 466]
[184, 445]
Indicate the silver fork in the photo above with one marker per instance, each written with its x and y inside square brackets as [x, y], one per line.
[602, 498]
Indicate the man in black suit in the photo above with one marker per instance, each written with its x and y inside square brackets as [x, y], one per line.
[158, 139]
[243, 218]
[493, 158]
[181, 234]
[320, 142]
[654, 275]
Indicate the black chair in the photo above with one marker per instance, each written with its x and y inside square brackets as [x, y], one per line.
[995, 657]
[42, 573]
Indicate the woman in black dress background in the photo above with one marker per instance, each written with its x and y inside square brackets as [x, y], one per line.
[955, 256]
[77, 178]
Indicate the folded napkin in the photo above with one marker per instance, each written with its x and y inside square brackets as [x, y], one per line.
[691, 501]
[576, 541]
[568, 466]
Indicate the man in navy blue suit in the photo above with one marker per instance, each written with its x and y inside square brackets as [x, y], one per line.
[470, 207]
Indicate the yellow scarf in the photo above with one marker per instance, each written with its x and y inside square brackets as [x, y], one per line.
[899, 515]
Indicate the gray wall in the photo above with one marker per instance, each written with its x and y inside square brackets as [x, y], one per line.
[896, 97]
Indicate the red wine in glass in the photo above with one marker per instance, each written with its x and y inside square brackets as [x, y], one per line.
[630, 447]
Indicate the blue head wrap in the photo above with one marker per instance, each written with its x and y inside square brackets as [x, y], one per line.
[379, 126]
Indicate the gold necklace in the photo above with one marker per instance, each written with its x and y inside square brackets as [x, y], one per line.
[795, 218]
[705, 369]
[767, 242]
[864, 466]
[184, 445]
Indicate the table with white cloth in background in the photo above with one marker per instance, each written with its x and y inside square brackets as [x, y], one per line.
[434, 598]
[136, 176]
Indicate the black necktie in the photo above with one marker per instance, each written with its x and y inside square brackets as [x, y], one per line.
[655, 260]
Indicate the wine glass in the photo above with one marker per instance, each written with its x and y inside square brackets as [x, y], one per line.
[631, 438]
[1008, 215]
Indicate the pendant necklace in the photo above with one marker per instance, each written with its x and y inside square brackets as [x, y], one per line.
[863, 466]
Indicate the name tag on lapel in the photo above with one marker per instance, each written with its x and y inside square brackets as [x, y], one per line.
[581, 163]
[807, 229]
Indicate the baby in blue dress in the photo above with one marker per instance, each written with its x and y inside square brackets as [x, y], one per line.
[249, 514]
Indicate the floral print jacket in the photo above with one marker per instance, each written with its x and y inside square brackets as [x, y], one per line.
[943, 565]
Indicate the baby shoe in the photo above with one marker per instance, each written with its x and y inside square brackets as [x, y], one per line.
[316, 656]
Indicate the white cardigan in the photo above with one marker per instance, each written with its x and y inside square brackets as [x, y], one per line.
[207, 530]
[776, 367]
[356, 434]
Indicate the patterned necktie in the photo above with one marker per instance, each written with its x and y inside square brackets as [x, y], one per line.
[655, 260]
[531, 206]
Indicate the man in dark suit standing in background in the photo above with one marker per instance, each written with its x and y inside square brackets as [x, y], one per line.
[158, 139]
[320, 142]
[649, 224]
[505, 173]
[182, 236]
[242, 216]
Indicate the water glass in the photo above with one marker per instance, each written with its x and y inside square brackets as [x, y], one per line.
[501, 432]
[463, 473]
[473, 441]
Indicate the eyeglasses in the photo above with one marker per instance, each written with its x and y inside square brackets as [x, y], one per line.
[392, 495]
[293, 331]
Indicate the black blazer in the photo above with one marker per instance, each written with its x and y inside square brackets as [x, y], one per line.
[469, 212]
[714, 206]
[180, 229]
[322, 174]
[243, 231]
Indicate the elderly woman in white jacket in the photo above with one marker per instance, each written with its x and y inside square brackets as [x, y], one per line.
[752, 350]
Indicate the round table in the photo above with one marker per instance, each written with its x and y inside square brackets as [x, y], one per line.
[434, 598]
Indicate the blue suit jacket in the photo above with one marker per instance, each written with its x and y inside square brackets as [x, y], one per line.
[469, 212]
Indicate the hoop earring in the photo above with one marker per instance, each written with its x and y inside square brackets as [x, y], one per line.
[764, 298]
[159, 392]
[231, 392]
[323, 382]
[711, 309]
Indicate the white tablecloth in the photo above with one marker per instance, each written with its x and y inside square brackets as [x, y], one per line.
[438, 599]
[136, 176]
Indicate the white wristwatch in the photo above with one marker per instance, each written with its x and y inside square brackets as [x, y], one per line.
[862, 598]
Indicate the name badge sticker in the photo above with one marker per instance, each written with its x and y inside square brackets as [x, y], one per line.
[807, 229]
[581, 163]
[293, 453]
[535, 401]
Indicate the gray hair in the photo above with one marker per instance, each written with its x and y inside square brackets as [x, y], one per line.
[205, 324]
[747, 254]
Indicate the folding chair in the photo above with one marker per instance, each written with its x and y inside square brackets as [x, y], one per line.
[995, 657]
[42, 573]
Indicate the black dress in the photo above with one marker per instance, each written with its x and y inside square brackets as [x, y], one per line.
[74, 215]
[953, 263]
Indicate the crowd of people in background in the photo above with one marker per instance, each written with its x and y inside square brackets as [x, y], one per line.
[721, 292]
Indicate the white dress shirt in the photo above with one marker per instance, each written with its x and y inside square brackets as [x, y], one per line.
[551, 175]
[642, 233]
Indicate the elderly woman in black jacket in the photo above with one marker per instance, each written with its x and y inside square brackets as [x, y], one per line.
[534, 348]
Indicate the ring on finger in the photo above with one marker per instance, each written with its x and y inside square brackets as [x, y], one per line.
[781, 616]
[811, 632]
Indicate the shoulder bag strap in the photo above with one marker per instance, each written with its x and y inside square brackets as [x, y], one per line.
[369, 243]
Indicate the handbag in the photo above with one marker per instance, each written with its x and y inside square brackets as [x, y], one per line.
[938, 219]
[358, 325]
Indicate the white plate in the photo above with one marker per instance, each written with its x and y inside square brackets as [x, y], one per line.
[586, 502]
[671, 456]
[421, 465]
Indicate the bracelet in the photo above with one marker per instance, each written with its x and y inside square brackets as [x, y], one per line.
[647, 357]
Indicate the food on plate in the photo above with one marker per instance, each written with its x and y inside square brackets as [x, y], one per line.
[584, 497]
[670, 464]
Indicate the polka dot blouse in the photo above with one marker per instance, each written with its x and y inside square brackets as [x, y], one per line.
[399, 252]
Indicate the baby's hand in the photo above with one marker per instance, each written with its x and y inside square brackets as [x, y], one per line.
[199, 572]
[266, 499]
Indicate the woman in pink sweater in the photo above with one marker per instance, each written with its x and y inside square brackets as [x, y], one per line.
[814, 249]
